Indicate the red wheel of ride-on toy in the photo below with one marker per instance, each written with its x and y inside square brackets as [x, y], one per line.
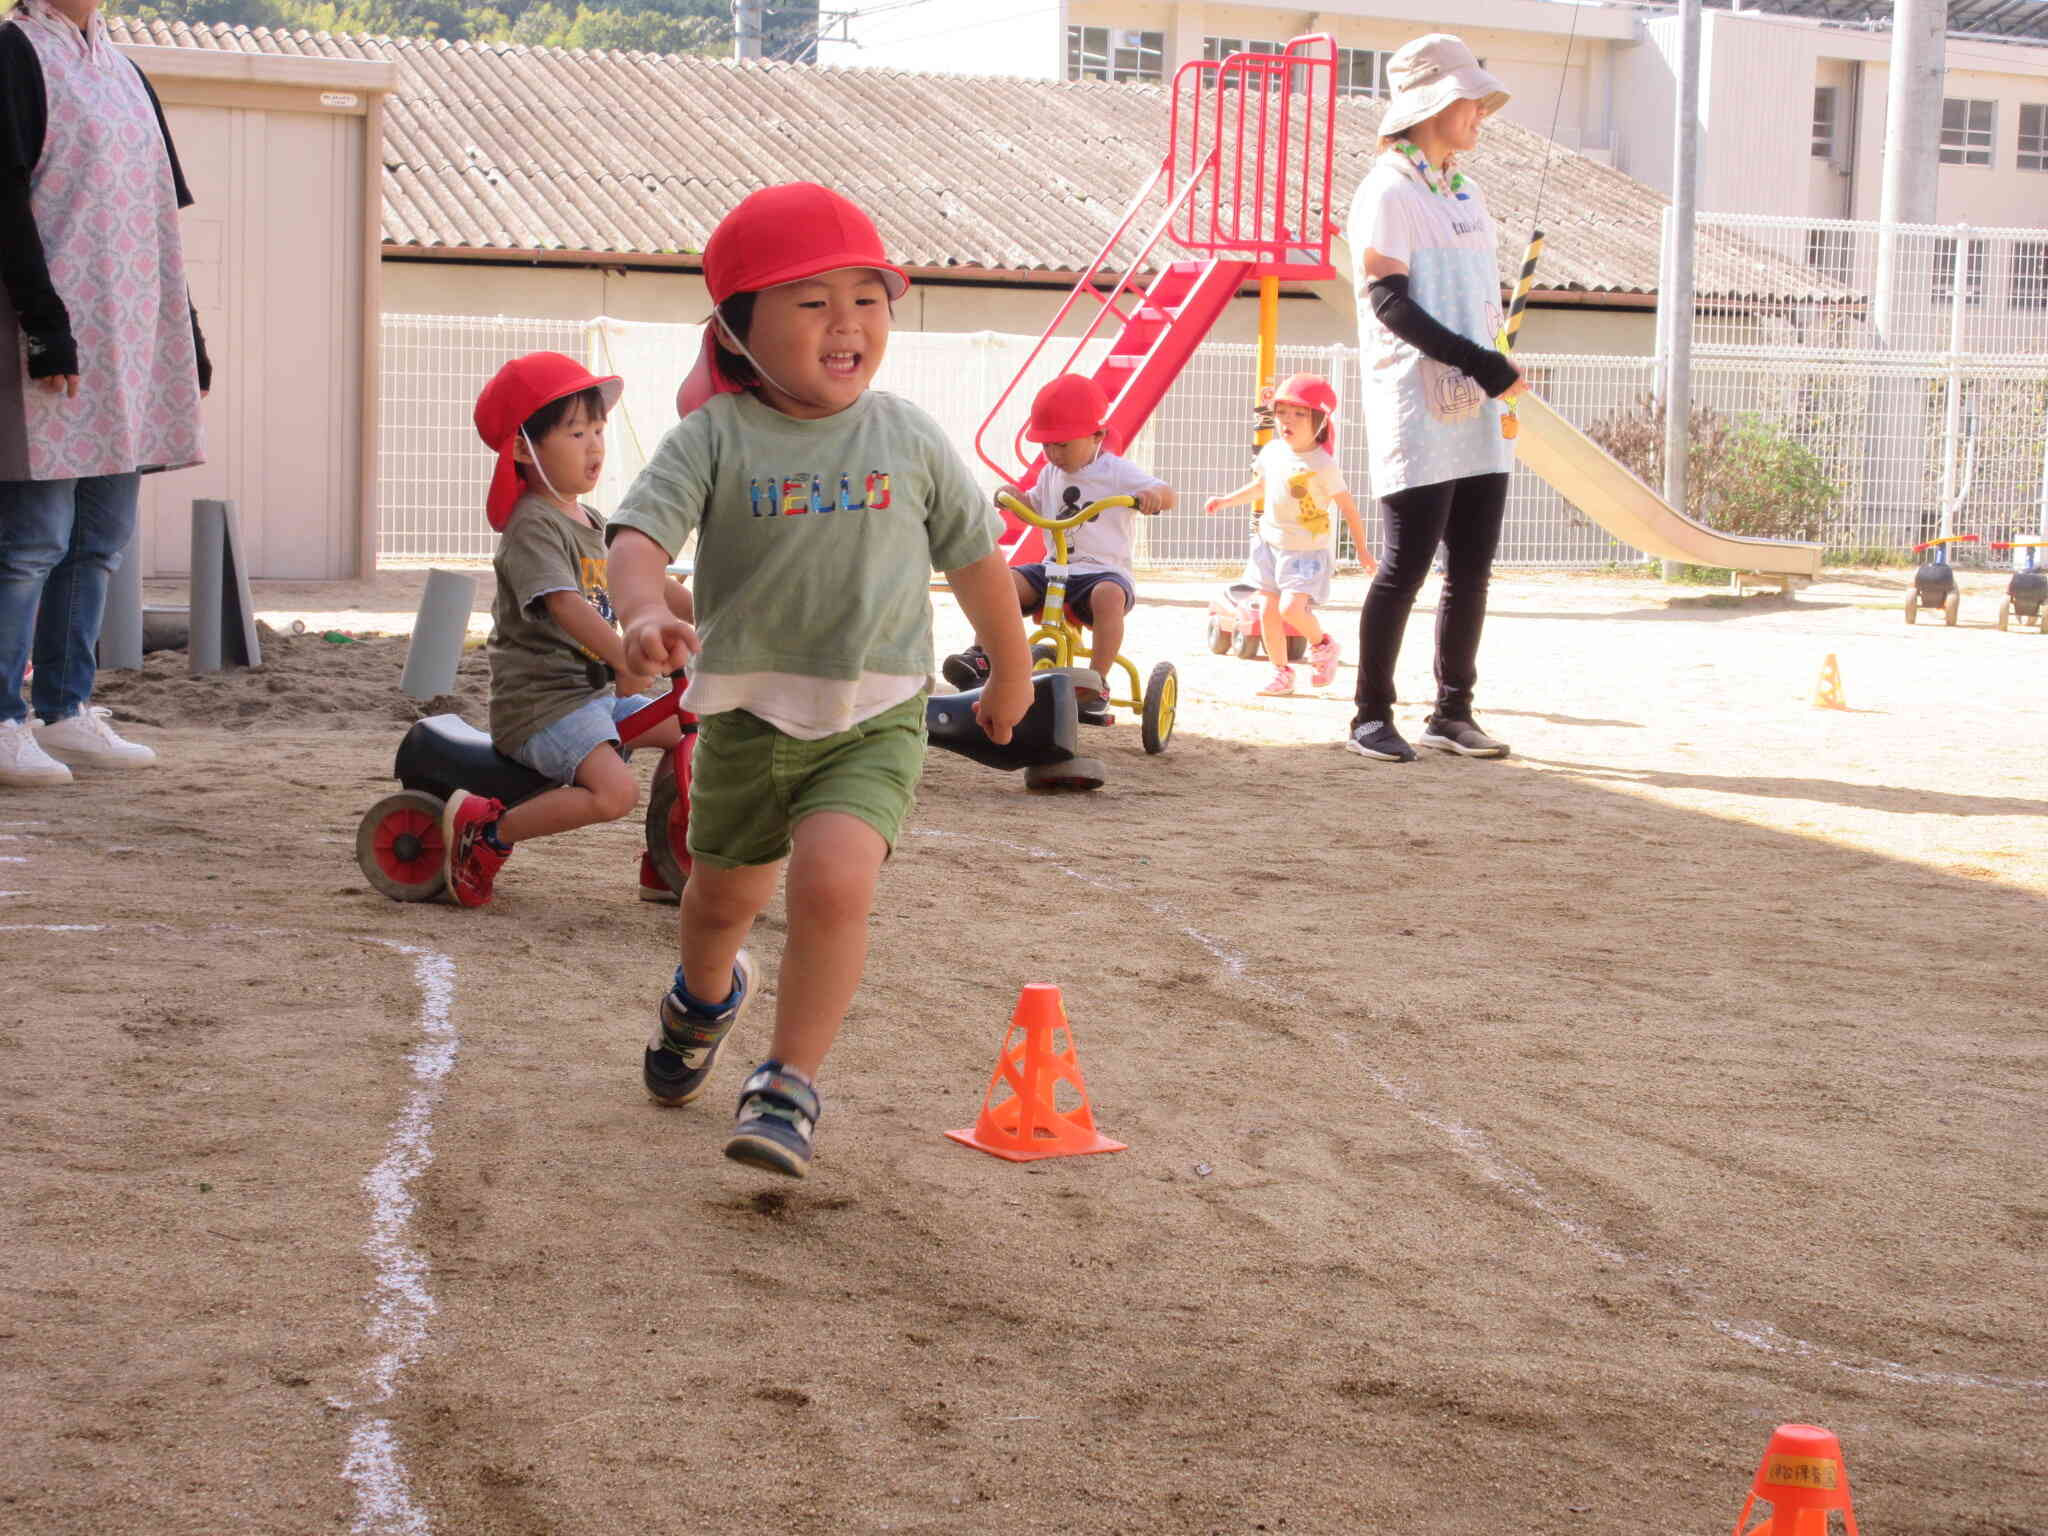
[399, 846]
[668, 814]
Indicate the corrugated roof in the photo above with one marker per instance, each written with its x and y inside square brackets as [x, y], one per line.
[2020, 21]
[496, 147]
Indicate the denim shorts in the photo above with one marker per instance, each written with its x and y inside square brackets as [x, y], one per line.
[750, 784]
[1289, 570]
[558, 750]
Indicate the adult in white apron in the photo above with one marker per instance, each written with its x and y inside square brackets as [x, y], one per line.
[1428, 289]
[103, 367]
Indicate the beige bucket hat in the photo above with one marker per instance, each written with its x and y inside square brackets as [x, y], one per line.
[1429, 74]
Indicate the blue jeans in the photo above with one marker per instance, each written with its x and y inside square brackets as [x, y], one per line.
[59, 543]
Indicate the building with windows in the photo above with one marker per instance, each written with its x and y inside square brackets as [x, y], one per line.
[1792, 96]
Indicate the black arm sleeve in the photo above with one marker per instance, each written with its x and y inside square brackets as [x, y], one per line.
[24, 271]
[170, 150]
[1432, 338]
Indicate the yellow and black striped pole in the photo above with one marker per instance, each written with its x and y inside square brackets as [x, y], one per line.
[1512, 326]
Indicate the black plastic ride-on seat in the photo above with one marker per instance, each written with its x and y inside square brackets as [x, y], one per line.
[1044, 736]
[444, 753]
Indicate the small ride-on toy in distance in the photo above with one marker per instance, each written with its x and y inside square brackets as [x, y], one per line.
[398, 843]
[2026, 595]
[1934, 584]
[1160, 693]
[1235, 615]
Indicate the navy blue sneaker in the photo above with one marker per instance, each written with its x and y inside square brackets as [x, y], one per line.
[777, 1114]
[1378, 740]
[680, 1056]
[1462, 737]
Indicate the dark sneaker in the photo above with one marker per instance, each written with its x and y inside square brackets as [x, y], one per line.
[1461, 737]
[1379, 740]
[778, 1111]
[966, 669]
[684, 1049]
[472, 862]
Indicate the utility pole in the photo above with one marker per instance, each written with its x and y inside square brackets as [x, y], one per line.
[1685, 160]
[746, 29]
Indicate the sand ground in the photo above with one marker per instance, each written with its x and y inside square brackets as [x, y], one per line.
[1511, 1145]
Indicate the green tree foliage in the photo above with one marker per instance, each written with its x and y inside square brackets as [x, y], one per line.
[649, 26]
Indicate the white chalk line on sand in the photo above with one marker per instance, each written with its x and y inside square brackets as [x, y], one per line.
[375, 1467]
[1517, 1182]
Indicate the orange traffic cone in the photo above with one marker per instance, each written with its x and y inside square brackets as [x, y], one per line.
[1803, 1476]
[1827, 693]
[1026, 1123]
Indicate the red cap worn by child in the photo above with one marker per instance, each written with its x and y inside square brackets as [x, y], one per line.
[774, 236]
[1072, 405]
[1312, 392]
[515, 392]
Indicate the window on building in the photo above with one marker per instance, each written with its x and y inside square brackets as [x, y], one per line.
[1825, 98]
[1966, 128]
[2033, 154]
[1945, 272]
[2029, 273]
[1221, 48]
[1115, 53]
[1362, 72]
[1827, 252]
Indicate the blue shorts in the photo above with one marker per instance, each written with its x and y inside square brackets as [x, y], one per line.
[1289, 570]
[558, 750]
[1081, 581]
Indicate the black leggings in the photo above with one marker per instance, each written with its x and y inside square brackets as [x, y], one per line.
[1464, 516]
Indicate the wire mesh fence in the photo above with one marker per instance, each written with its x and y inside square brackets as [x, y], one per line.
[1880, 432]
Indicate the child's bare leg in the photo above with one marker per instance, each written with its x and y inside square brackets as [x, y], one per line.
[1027, 595]
[718, 910]
[831, 889]
[1301, 613]
[1270, 628]
[605, 790]
[1106, 603]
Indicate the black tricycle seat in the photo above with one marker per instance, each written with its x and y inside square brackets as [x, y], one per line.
[1936, 578]
[444, 753]
[1045, 735]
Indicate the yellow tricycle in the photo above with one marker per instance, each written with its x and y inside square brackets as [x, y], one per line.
[1058, 643]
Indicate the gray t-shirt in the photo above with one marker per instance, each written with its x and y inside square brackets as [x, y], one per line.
[816, 539]
[539, 674]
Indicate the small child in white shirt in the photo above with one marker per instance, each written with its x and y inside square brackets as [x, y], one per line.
[1294, 546]
[1067, 418]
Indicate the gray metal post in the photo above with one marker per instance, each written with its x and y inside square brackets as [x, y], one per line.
[209, 569]
[437, 634]
[746, 29]
[1685, 159]
[121, 629]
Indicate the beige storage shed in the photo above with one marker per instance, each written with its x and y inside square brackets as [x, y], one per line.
[283, 157]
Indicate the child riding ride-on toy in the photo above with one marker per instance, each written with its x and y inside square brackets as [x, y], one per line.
[399, 843]
[1058, 643]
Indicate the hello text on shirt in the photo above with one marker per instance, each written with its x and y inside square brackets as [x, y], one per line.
[793, 495]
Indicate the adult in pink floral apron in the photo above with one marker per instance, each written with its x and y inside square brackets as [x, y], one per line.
[103, 367]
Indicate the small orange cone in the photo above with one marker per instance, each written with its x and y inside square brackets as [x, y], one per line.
[1827, 693]
[1028, 1123]
[1803, 1476]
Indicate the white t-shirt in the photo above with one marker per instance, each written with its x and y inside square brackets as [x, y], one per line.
[1104, 541]
[1301, 497]
[1425, 421]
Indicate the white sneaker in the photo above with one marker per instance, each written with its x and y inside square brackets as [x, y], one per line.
[87, 740]
[23, 762]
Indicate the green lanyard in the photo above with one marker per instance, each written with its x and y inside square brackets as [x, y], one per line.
[1429, 176]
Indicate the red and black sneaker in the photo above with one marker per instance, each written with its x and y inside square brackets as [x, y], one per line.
[472, 862]
[966, 669]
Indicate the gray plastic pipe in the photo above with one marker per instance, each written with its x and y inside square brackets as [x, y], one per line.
[437, 634]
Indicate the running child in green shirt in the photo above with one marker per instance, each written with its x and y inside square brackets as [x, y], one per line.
[820, 507]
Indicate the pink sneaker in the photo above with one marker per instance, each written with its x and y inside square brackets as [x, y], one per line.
[1323, 656]
[1280, 685]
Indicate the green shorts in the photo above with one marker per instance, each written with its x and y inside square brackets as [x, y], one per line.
[750, 784]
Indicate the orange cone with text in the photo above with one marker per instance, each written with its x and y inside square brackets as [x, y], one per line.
[1803, 1476]
[1021, 1118]
[1827, 693]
